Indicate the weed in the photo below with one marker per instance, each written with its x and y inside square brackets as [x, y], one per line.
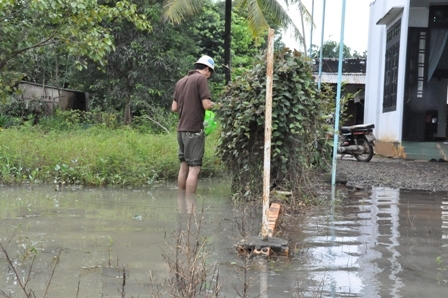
[242, 272]
[440, 271]
[193, 273]
[313, 289]
[439, 261]
[23, 275]
[94, 156]
[33, 176]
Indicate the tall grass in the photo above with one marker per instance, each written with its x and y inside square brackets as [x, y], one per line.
[94, 156]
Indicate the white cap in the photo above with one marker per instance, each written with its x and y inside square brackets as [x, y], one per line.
[207, 60]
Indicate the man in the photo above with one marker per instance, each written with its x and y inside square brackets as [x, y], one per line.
[191, 99]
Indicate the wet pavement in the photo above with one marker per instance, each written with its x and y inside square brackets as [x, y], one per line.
[379, 242]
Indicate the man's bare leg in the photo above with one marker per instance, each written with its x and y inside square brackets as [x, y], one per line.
[182, 177]
[192, 179]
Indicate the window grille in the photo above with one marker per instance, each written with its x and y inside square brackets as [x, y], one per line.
[391, 70]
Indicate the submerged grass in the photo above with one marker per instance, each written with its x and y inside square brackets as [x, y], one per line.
[94, 156]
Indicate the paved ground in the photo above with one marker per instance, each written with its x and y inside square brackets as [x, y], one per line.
[395, 173]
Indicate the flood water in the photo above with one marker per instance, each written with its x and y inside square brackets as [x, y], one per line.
[376, 242]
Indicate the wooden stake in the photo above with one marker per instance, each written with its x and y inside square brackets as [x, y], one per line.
[267, 136]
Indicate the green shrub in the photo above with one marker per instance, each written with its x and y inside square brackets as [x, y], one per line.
[297, 127]
[77, 119]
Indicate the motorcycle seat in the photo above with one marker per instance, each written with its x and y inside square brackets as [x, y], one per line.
[357, 127]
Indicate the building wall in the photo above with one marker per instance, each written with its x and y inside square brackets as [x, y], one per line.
[52, 97]
[388, 126]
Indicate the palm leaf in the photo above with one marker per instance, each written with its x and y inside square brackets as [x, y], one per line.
[258, 11]
[255, 16]
[177, 10]
[291, 25]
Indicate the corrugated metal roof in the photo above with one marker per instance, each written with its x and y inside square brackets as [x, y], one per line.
[349, 78]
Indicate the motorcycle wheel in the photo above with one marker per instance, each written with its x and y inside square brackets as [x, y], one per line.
[368, 151]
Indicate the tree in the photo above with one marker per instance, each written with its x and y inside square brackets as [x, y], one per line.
[209, 31]
[356, 54]
[77, 27]
[144, 67]
[142, 70]
[259, 12]
[330, 49]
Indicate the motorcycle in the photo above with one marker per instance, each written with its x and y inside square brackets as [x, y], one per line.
[358, 141]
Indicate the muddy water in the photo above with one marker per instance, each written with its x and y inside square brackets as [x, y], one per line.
[371, 243]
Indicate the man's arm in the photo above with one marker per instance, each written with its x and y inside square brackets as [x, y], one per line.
[174, 107]
[207, 104]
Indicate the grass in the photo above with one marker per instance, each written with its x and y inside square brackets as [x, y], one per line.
[94, 156]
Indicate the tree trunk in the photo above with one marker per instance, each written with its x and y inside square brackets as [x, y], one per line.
[127, 112]
[227, 40]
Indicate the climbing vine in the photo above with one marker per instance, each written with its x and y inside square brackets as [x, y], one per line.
[297, 127]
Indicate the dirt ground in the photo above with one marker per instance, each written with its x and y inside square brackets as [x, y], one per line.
[394, 173]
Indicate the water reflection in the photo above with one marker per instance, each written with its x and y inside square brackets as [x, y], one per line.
[382, 244]
[101, 231]
[378, 242]
[187, 202]
[445, 223]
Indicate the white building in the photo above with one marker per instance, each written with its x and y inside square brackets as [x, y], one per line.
[407, 78]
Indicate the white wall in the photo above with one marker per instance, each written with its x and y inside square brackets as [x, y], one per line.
[388, 126]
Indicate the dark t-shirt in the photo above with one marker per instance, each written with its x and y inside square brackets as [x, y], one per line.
[189, 93]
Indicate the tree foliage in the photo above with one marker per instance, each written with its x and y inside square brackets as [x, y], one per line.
[77, 27]
[144, 67]
[260, 14]
[208, 34]
[296, 125]
[330, 49]
[137, 73]
[142, 70]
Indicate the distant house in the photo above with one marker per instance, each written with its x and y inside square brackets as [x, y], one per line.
[407, 78]
[51, 97]
[354, 80]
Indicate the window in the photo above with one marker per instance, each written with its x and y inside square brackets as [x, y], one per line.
[416, 74]
[391, 71]
[421, 64]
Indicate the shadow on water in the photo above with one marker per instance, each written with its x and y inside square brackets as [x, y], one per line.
[377, 242]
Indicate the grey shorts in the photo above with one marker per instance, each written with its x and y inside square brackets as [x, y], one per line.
[191, 147]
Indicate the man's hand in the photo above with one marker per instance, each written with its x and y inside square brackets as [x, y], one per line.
[207, 104]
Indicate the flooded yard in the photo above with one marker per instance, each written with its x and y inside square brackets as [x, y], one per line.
[378, 242]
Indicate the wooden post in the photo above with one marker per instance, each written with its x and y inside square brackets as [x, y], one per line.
[267, 136]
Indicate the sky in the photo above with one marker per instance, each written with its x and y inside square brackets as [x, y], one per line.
[355, 29]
